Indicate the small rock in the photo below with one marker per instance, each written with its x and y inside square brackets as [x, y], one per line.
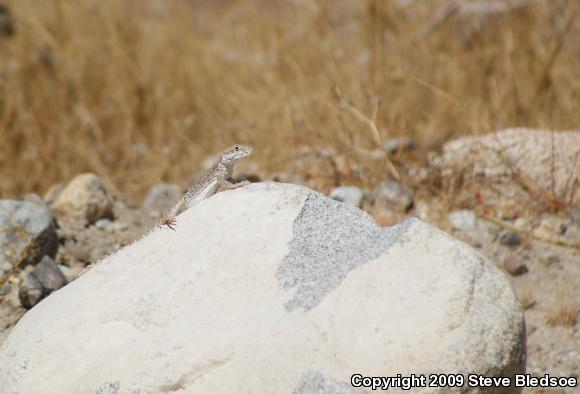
[49, 275]
[110, 226]
[161, 197]
[514, 265]
[464, 220]
[348, 194]
[44, 279]
[30, 291]
[394, 145]
[84, 199]
[103, 224]
[27, 232]
[511, 239]
[393, 195]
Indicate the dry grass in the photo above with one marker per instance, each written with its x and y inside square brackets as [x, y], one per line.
[141, 91]
[563, 315]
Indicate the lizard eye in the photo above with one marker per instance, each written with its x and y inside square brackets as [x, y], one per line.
[237, 148]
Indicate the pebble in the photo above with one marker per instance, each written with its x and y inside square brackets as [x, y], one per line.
[49, 275]
[110, 226]
[30, 291]
[510, 238]
[103, 224]
[393, 195]
[27, 232]
[348, 194]
[463, 220]
[44, 279]
[394, 145]
[514, 265]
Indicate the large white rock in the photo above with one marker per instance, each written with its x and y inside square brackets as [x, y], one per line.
[270, 288]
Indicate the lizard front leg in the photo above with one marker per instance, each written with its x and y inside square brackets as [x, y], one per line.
[227, 185]
[224, 183]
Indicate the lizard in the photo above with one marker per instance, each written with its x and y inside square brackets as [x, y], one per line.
[210, 181]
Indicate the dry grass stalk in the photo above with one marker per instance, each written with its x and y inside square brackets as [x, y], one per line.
[563, 315]
[141, 92]
[376, 135]
[570, 243]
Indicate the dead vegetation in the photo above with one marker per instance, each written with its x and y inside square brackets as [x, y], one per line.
[140, 92]
[563, 315]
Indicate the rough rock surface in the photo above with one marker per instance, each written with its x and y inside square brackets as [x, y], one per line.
[27, 232]
[269, 288]
[464, 219]
[550, 161]
[85, 199]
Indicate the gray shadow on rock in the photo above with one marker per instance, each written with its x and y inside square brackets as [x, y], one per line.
[329, 240]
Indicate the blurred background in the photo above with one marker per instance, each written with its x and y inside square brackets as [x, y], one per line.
[141, 91]
[395, 106]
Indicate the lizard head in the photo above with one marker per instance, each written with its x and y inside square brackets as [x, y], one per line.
[235, 153]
